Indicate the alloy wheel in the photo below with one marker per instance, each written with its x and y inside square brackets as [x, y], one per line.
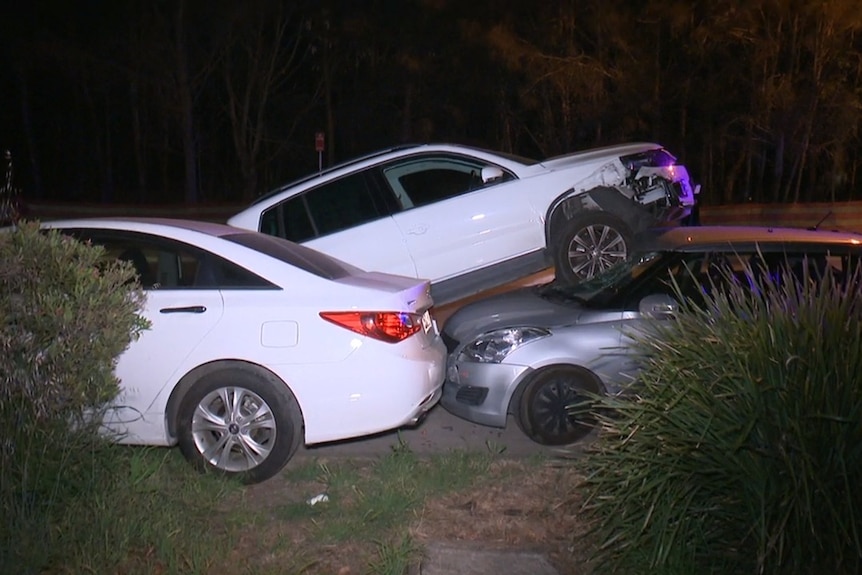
[234, 429]
[594, 249]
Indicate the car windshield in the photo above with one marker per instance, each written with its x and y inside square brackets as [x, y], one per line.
[603, 286]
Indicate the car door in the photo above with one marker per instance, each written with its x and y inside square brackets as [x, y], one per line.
[181, 311]
[348, 218]
[454, 223]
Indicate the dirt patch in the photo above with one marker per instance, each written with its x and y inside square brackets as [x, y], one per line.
[516, 505]
[522, 506]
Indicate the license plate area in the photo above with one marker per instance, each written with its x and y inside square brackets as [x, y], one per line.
[429, 326]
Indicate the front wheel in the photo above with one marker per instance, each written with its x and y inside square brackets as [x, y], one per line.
[239, 423]
[556, 406]
[589, 244]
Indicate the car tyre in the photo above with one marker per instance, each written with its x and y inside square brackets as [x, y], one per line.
[556, 406]
[589, 244]
[240, 423]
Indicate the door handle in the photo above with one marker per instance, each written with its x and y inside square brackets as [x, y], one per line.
[186, 309]
[418, 230]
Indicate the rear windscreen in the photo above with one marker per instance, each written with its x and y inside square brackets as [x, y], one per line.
[296, 255]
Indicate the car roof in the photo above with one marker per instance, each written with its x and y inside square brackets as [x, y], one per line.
[147, 223]
[704, 238]
[229, 240]
[397, 152]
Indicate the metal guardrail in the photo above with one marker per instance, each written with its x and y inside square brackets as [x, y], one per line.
[845, 216]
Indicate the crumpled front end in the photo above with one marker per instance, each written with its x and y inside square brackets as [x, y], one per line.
[656, 180]
[647, 177]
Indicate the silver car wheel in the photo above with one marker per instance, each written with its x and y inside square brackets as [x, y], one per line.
[556, 407]
[594, 249]
[234, 429]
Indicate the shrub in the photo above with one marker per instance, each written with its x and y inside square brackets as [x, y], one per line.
[739, 449]
[66, 314]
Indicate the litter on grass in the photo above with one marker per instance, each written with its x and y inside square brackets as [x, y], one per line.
[321, 498]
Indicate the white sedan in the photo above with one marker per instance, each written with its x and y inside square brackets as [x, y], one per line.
[470, 219]
[258, 344]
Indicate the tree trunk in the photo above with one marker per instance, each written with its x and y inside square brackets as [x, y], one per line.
[27, 122]
[330, 111]
[138, 141]
[184, 92]
[407, 112]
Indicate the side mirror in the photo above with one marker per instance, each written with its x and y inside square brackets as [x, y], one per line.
[658, 306]
[491, 173]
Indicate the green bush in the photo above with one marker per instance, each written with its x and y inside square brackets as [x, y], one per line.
[739, 449]
[66, 314]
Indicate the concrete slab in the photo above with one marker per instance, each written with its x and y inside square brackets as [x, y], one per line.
[443, 558]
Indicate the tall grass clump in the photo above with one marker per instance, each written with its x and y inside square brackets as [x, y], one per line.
[66, 314]
[739, 448]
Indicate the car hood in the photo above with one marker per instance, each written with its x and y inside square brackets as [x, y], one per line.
[597, 154]
[521, 307]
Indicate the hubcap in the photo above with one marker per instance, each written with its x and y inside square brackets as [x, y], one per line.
[594, 249]
[551, 412]
[234, 429]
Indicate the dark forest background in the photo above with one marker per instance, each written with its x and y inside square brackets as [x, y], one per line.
[143, 101]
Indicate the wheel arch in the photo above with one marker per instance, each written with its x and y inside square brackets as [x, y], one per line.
[200, 372]
[571, 204]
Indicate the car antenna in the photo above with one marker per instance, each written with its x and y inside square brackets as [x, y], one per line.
[816, 226]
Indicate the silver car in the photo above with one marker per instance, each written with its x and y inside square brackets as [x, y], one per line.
[534, 352]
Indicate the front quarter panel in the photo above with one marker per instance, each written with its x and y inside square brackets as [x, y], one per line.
[596, 347]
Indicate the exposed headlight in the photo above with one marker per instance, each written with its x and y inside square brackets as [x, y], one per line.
[493, 347]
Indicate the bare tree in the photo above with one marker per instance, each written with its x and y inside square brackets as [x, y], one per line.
[262, 54]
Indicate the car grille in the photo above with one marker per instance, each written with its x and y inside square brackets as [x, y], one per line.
[450, 342]
[471, 395]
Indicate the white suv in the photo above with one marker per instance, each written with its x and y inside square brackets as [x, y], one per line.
[469, 219]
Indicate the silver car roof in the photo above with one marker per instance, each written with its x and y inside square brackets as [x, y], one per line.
[704, 238]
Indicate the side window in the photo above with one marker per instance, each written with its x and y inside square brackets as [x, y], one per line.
[329, 208]
[157, 267]
[165, 264]
[288, 220]
[214, 272]
[429, 186]
[342, 204]
[420, 182]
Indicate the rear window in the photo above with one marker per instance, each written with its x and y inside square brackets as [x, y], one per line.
[304, 258]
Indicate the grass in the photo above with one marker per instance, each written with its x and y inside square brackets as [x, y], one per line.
[149, 512]
[141, 516]
[372, 506]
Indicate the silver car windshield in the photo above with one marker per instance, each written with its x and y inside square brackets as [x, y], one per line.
[604, 285]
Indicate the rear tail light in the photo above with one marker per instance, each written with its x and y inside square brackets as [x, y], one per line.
[388, 326]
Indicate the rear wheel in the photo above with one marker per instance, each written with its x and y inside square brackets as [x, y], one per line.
[240, 423]
[589, 244]
[556, 406]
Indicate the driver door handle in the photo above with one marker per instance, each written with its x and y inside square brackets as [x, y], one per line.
[186, 309]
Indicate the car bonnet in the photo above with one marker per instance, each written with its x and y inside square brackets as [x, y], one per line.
[521, 307]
